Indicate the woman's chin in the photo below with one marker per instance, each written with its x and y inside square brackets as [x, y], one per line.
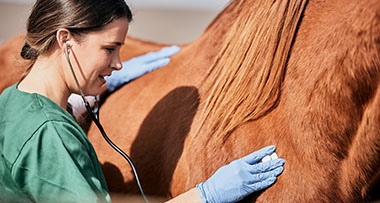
[93, 91]
[96, 89]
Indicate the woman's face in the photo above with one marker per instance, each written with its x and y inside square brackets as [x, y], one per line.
[97, 55]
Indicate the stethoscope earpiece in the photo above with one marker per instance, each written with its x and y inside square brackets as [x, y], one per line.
[68, 43]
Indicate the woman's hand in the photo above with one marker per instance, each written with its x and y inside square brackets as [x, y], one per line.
[241, 177]
[140, 65]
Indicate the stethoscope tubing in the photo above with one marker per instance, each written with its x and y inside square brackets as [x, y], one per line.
[95, 117]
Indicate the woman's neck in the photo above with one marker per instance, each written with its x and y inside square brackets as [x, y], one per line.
[45, 78]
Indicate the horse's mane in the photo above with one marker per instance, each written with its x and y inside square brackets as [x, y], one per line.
[245, 79]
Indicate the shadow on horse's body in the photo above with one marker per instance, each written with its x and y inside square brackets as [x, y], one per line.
[323, 113]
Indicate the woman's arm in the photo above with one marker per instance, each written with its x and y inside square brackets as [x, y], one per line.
[191, 196]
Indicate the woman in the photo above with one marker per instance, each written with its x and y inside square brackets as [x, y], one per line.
[45, 155]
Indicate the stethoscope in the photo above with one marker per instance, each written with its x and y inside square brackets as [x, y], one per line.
[94, 114]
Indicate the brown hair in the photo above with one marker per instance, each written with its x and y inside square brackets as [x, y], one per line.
[78, 16]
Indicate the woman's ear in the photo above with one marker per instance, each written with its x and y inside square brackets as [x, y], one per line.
[63, 35]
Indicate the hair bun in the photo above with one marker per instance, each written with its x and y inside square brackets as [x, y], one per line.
[28, 52]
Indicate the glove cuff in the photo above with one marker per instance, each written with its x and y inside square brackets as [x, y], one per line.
[202, 193]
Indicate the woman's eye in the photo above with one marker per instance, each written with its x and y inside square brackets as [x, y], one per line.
[110, 50]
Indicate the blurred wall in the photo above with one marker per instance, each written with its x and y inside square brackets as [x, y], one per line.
[159, 25]
[12, 20]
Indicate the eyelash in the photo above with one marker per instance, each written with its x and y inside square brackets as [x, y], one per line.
[110, 50]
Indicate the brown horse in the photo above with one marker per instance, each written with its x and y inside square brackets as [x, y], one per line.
[301, 75]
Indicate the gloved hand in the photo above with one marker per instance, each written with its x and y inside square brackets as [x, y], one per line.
[241, 177]
[140, 65]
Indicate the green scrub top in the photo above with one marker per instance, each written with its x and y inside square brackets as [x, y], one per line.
[45, 155]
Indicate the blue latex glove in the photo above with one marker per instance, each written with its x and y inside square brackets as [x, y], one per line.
[241, 177]
[140, 65]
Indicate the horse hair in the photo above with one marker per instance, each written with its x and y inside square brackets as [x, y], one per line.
[260, 53]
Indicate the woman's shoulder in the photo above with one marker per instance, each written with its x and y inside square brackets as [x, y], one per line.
[31, 107]
[32, 118]
[28, 111]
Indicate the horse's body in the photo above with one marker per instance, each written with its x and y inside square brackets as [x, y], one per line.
[325, 121]
[325, 124]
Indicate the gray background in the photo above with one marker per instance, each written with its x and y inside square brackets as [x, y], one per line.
[166, 21]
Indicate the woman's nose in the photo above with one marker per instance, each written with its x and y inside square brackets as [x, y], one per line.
[117, 65]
